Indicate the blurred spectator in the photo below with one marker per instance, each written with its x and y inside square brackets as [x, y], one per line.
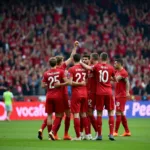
[30, 33]
[148, 88]
[3, 87]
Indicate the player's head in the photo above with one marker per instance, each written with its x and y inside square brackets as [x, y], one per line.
[76, 58]
[104, 57]
[59, 60]
[118, 63]
[52, 62]
[86, 58]
[94, 58]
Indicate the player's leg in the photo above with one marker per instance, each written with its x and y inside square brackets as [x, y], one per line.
[9, 111]
[56, 125]
[118, 116]
[99, 125]
[99, 108]
[77, 126]
[75, 109]
[58, 105]
[109, 105]
[91, 107]
[44, 124]
[67, 118]
[117, 123]
[81, 127]
[83, 110]
[125, 125]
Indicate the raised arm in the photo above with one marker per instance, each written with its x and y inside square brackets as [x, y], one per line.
[68, 61]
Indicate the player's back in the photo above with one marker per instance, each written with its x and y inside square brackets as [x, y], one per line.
[120, 90]
[79, 74]
[103, 72]
[51, 77]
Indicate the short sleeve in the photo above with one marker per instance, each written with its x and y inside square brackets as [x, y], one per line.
[44, 77]
[124, 74]
[11, 95]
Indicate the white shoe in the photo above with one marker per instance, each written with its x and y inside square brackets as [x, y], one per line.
[96, 135]
[76, 139]
[82, 135]
[88, 137]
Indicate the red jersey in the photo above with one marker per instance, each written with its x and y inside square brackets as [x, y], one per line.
[91, 82]
[120, 90]
[63, 67]
[79, 74]
[51, 77]
[103, 73]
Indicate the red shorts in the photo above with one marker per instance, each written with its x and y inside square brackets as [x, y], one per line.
[104, 100]
[120, 103]
[91, 100]
[79, 104]
[54, 105]
[66, 101]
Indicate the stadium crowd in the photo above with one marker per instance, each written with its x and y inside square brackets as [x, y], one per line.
[32, 33]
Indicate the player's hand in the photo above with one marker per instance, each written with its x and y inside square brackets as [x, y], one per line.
[76, 44]
[127, 94]
[57, 84]
[83, 83]
[44, 85]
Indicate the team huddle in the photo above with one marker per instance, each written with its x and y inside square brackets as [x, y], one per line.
[90, 78]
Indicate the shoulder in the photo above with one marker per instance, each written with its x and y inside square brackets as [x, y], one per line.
[124, 72]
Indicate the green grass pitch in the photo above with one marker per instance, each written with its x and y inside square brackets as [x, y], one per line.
[22, 135]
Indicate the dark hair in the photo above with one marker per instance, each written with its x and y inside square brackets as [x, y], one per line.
[95, 56]
[86, 55]
[59, 59]
[104, 56]
[119, 60]
[76, 57]
[52, 61]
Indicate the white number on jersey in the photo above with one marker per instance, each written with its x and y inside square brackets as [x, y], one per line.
[79, 75]
[52, 80]
[103, 76]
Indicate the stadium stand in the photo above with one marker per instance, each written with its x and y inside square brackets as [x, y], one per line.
[31, 33]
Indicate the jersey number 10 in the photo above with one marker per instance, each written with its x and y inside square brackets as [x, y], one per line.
[103, 76]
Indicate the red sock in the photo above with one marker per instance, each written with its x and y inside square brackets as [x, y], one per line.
[86, 125]
[93, 122]
[58, 127]
[77, 126]
[125, 123]
[99, 125]
[89, 123]
[118, 121]
[111, 124]
[81, 124]
[67, 124]
[56, 124]
[44, 124]
[49, 128]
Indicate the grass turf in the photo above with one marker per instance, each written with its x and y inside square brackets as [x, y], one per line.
[22, 135]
